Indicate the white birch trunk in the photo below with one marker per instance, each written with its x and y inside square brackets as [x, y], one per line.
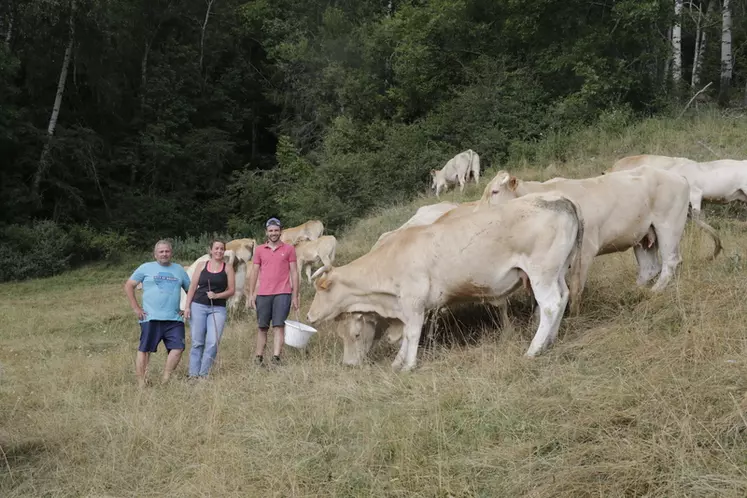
[726, 58]
[667, 60]
[204, 28]
[44, 159]
[677, 42]
[700, 43]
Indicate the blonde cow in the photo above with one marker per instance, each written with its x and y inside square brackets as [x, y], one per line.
[716, 181]
[456, 170]
[644, 208]
[309, 252]
[311, 230]
[476, 256]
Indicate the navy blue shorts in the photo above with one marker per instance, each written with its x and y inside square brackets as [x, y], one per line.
[275, 307]
[171, 332]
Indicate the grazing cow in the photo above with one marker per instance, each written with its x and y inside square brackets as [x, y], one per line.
[465, 259]
[457, 169]
[433, 213]
[311, 230]
[716, 181]
[309, 252]
[644, 208]
[425, 215]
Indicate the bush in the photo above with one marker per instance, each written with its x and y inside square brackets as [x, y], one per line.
[46, 248]
[34, 251]
[92, 245]
[191, 248]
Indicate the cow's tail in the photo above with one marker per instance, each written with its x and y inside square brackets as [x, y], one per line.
[575, 260]
[710, 231]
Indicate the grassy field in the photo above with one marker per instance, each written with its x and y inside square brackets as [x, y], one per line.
[643, 395]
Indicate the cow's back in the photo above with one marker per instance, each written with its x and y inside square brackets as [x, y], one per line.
[653, 160]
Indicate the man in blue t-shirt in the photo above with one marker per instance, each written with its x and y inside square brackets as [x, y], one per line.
[160, 317]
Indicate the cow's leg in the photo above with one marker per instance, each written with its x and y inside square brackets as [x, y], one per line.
[668, 236]
[407, 356]
[648, 262]
[696, 198]
[400, 358]
[552, 299]
[589, 251]
[308, 274]
[461, 182]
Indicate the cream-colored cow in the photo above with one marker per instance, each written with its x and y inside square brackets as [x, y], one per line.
[311, 230]
[465, 259]
[724, 180]
[644, 208]
[309, 252]
[456, 170]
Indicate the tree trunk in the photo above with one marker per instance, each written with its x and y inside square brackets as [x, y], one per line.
[9, 31]
[204, 28]
[677, 43]
[700, 45]
[143, 83]
[726, 60]
[43, 165]
[667, 60]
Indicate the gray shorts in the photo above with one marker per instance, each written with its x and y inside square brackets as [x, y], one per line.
[275, 307]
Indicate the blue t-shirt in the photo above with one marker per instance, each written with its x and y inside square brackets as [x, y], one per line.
[161, 289]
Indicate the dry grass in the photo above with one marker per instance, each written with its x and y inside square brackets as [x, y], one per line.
[642, 396]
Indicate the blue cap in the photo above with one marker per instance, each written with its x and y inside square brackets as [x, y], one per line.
[273, 221]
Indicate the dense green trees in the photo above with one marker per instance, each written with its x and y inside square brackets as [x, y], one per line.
[153, 118]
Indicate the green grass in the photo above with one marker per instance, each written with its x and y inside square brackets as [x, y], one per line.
[643, 395]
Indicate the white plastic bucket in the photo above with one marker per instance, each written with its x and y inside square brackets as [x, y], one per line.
[297, 334]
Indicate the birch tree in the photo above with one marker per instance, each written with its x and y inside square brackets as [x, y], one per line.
[702, 24]
[204, 28]
[677, 42]
[726, 58]
[43, 164]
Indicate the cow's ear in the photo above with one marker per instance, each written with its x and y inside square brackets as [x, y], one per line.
[433, 172]
[323, 283]
[513, 183]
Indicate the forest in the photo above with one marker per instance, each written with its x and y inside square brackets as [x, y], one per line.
[122, 122]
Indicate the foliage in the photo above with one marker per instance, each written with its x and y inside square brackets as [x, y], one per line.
[174, 122]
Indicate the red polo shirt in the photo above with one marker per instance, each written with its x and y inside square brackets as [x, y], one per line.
[274, 268]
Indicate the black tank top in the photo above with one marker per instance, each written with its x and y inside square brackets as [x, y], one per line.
[218, 283]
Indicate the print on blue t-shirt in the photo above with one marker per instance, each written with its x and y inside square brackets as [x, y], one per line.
[161, 289]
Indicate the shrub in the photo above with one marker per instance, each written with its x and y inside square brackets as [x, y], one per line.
[38, 250]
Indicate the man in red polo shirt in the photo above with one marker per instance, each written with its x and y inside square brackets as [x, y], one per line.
[275, 263]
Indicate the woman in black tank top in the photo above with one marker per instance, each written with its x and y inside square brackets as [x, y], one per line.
[212, 283]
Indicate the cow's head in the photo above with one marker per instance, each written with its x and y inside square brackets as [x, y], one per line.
[501, 188]
[331, 296]
[434, 179]
[359, 332]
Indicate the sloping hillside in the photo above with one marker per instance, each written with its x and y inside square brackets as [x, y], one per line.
[643, 395]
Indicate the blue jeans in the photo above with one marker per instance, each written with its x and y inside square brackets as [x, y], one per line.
[206, 326]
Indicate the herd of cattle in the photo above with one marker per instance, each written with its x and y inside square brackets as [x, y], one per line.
[519, 234]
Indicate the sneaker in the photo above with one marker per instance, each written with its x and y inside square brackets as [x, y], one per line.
[276, 360]
[259, 360]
